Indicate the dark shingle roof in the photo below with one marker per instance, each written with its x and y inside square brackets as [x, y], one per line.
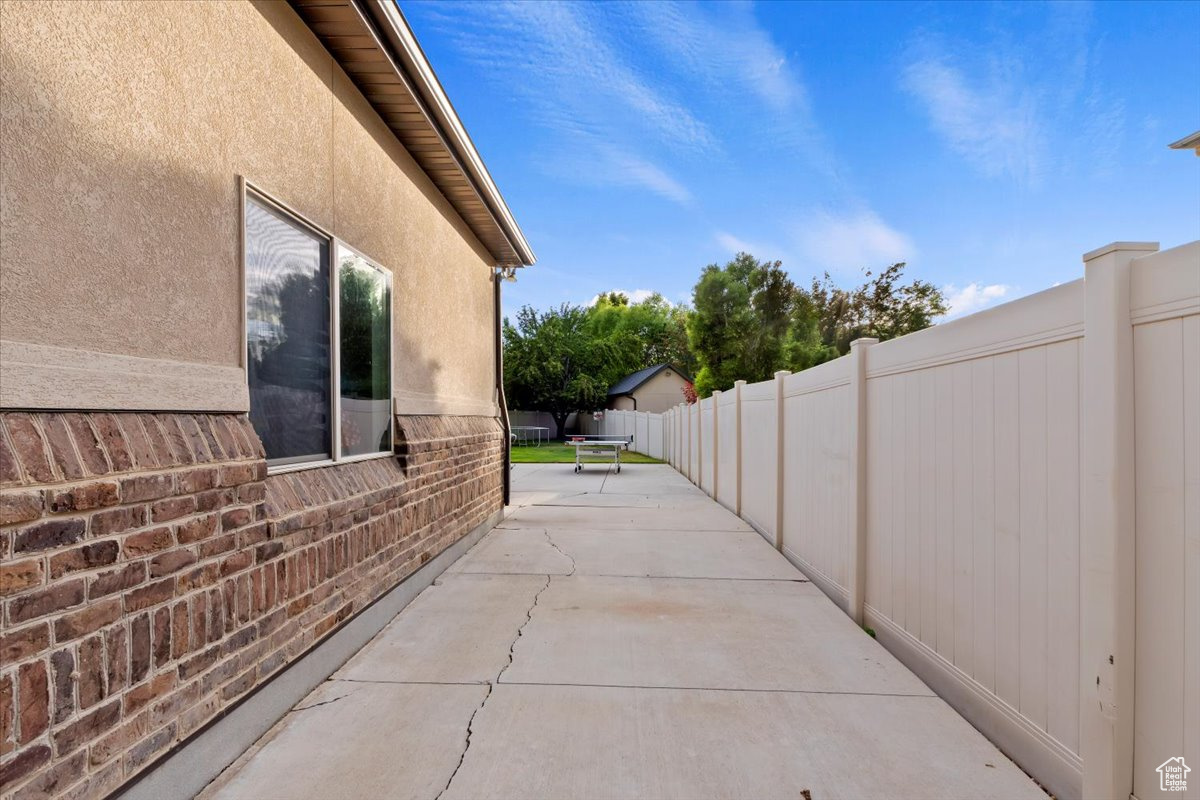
[632, 381]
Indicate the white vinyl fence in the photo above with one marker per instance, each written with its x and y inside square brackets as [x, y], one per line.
[1004, 499]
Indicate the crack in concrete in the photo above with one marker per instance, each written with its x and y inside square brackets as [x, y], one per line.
[324, 702]
[561, 552]
[491, 685]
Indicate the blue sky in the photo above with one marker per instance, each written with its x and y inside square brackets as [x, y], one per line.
[988, 145]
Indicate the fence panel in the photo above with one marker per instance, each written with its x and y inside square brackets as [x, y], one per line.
[1165, 310]
[655, 435]
[758, 457]
[818, 487]
[705, 421]
[727, 446]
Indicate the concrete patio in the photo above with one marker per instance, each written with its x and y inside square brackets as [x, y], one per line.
[622, 636]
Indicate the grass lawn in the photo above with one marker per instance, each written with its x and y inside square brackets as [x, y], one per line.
[559, 453]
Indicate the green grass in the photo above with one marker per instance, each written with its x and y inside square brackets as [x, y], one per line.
[559, 453]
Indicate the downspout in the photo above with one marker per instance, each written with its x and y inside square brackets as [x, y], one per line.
[497, 276]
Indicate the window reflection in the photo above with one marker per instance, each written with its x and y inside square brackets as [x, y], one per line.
[365, 355]
[287, 337]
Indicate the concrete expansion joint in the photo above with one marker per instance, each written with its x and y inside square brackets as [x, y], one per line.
[491, 685]
[561, 552]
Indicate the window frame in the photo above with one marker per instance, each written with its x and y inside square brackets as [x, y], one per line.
[251, 192]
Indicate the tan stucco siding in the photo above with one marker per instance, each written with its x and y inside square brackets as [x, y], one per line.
[125, 127]
[663, 391]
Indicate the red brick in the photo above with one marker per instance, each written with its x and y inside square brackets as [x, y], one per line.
[29, 447]
[62, 448]
[10, 471]
[113, 439]
[229, 445]
[195, 439]
[139, 488]
[140, 448]
[198, 480]
[44, 601]
[87, 620]
[62, 666]
[162, 636]
[23, 764]
[236, 562]
[91, 672]
[117, 580]
[171, 561]
[8, 717]
[173, 437]
[33, 695]
[137, 697]
[89, 556]
[53, 781]
[148, 541]
[172, 508]
[198, 663]
[88, 727]
[149, 595]
[179, 629]
[139, 648]
[197, 578]
[117, 520]
[17, 576]
[236, 474]
[116, 658]
[215, 499]
[20, 506]
[24, 643]
[218, 545]
[197, 528]
[199, 609]
[141, 754]
[87, 443]
[235, 518]
[83, 497]
[48, 534]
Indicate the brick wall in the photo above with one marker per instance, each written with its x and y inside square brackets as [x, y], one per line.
[151, 573]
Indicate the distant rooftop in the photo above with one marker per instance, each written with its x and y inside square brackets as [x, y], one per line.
[633, 380]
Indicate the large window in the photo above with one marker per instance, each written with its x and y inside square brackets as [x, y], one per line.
[311, 361]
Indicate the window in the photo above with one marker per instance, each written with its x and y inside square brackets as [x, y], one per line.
[308, 361]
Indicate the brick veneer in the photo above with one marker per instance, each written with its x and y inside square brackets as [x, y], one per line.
[151, 573]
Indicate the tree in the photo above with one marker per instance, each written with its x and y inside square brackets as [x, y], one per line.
[742, 312]
[553, 362]
[826, 318]
[652, 332]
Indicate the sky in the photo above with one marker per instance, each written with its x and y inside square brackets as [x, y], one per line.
[988, 145]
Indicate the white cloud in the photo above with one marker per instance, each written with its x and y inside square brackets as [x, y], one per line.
[733, 244]
[634, 295]
[972, 297]
[992, 122]
[851, 243]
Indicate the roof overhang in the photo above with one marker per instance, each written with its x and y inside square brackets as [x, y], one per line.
[1188, 143]
[372, 42]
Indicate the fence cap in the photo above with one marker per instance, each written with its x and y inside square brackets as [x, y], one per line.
[1114, 247]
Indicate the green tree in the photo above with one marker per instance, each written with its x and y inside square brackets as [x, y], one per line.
[650, 332]
[554, 362]
[739, 323]
[825, 318]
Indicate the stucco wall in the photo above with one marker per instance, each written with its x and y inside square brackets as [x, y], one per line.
[660, 393]
[125, 128]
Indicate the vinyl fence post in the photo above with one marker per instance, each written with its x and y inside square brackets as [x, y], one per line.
[856, 590]
[737, 443]
[779, 457]
[1107, 598]
[716, 444]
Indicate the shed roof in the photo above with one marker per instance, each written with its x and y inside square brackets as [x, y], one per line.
[630, 383]
[373, 43]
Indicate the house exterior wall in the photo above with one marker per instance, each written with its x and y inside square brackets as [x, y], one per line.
[121, 182]
[151, 572]
[659, 394]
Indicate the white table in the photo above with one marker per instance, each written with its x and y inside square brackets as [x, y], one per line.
[608, 448]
